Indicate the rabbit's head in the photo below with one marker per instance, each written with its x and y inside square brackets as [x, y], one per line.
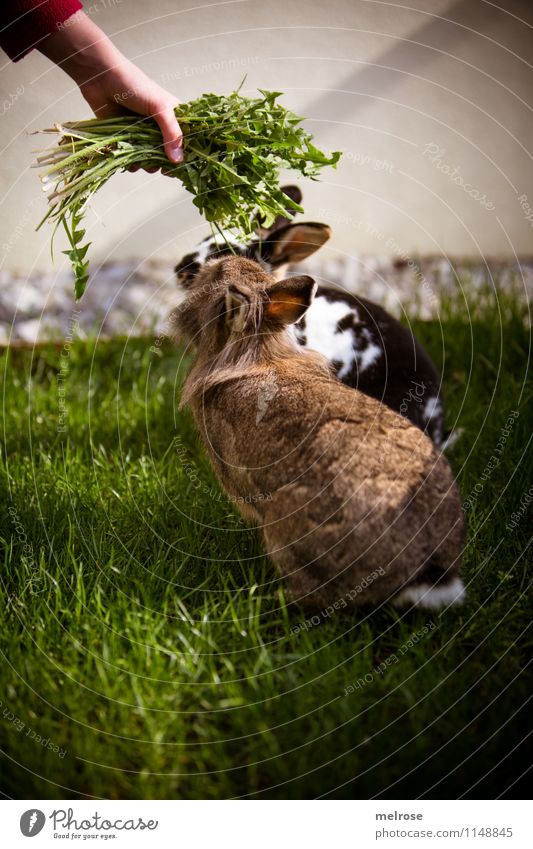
[273, 248]
[235, 305]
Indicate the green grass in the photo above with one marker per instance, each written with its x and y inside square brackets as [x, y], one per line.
[145, 633]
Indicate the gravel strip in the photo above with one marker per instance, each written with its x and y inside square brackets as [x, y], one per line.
[135, 297]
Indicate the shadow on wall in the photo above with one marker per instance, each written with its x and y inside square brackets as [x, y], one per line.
[406, 56]
[374, 82]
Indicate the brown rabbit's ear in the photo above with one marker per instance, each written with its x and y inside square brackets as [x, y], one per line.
[237, 308]
[294, 242]
[288, 299]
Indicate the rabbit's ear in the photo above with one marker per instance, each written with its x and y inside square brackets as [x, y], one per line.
[237, 307]
[292, 192]
[294, 242]
[288, 300]
[187, 269]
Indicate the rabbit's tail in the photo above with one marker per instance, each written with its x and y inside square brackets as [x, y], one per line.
[432, 596]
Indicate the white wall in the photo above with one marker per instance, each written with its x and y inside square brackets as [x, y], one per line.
[376, 80]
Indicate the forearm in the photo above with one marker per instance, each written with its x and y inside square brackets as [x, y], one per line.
[108, 81]
[83, 51]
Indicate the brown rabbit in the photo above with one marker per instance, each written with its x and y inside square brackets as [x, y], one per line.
[347, 493]
[368, 349]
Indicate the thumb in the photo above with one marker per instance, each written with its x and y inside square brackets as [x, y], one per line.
[172, 135]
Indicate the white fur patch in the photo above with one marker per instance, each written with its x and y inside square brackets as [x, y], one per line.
[369, 355]
[432, 597]
[219, 240]
[321, 320]
[432, 407]
[203, 250]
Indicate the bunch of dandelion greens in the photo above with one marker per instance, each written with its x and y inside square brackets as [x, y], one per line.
[234, 149]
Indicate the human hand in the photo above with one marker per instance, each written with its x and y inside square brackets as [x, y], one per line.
[126, 86]
[111, 83]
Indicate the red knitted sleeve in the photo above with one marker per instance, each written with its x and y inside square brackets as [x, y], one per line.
[25, 23]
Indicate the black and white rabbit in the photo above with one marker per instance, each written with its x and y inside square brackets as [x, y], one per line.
[368, 348]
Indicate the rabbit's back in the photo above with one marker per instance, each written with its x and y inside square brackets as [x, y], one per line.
[340, 485]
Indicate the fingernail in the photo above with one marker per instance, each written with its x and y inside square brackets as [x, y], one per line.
[176, 152]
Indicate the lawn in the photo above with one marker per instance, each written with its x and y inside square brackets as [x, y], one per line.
[148, 651]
